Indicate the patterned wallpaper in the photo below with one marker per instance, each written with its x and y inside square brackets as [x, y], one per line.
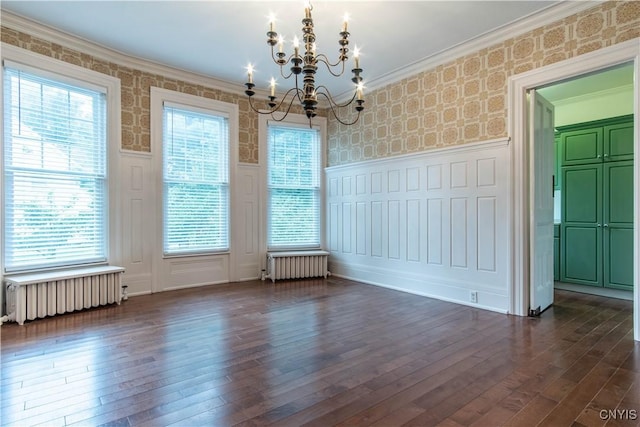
[136, 95]
[464, 101]
[456, 103]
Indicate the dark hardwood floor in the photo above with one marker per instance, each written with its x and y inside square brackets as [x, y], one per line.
[322, 353]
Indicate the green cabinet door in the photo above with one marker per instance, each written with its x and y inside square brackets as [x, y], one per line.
[618, 142]
[582, 146]
[581, 226]
[596, 181]
[618, 224]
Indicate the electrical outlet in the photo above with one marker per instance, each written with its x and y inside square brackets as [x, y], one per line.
[473, 296]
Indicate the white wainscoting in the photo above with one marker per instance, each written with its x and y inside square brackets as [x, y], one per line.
[246, 236]
[242, 262]
[146, 269]
[138, 221]
[192, 271]
[433, 224]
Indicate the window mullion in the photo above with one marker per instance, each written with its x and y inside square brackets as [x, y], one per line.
[196, 198]
[293, 195]
[54, 197]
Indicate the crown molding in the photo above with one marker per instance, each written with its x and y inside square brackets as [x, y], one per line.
[523, 25]
[45, 32]
[536, 20]
[591, 96]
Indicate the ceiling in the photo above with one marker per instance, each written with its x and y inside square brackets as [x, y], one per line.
[620, 76]
[219, 38]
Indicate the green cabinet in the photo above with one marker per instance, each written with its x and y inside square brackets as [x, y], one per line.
[618, 142]
[581, 244]
[617, 227]
[582, 146]
[596, 248]
[597, 141]
[596, 180]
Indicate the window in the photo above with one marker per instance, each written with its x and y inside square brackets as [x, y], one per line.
[55, 167]
[195, 174]
[294, 184]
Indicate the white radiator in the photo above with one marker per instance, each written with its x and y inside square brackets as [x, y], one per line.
[297, 265]
[37, 295]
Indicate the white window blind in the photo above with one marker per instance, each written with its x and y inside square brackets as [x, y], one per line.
[294, 174]
[55, 173]
[196, 181]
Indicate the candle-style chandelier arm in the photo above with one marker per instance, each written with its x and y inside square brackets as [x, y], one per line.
[286, 112]
[303, 64]
[324, 91]
[333, 107]
[330, 67]
[285, 76]
[278, 58]
[274, 107]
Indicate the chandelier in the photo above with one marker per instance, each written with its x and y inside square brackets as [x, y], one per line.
[301, 67]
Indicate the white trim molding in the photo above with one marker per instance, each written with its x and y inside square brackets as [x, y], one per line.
[430, 223]
[518, 85]
[538, 19]
[296, 120]
[535, 20]
[174, 272]
[39, 30]
[64, 71]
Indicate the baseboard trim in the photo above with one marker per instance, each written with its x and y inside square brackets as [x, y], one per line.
[592, 290]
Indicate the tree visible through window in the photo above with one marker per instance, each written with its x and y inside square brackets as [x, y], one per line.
[55, 173]
[196, 181]
[294, 175]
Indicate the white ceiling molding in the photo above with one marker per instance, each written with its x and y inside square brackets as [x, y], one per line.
[521, 26]
[528, 23]
[39, 30]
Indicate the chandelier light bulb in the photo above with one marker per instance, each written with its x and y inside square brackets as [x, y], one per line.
[272, 21]
[272, 84]
[346, 21]
[360, 90]
[307, 9]
[250, 72]
[296, 45]
[280, 44]
[303, 70]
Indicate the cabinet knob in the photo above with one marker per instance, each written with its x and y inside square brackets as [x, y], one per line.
[598, 225]
[598, 156]
[606, 225]
[606, 154]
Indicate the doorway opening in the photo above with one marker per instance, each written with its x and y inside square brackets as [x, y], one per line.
[593, 122]
[524, 181]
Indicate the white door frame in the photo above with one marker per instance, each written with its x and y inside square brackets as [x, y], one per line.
[518, 85]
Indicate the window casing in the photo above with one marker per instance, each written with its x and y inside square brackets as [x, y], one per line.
[294, 186]
[196, 181]
[196, 136]
[55, 163]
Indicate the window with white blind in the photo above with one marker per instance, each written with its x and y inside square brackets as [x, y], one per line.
[195, 151]
[294, 184]
[55, 169]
